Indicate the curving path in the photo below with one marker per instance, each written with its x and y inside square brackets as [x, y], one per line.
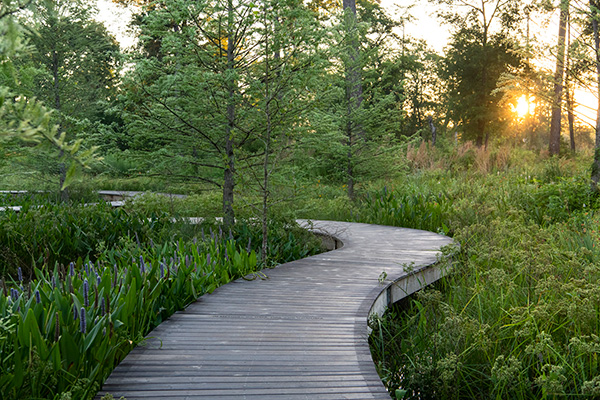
[299, 334]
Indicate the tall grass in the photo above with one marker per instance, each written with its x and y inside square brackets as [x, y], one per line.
[419, 211]
[519, 317]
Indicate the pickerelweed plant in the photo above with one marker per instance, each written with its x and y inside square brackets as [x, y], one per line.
[64, 331]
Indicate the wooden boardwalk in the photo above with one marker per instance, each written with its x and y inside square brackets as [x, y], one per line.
[300, 334]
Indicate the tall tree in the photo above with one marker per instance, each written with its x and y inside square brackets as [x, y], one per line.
[480, 52]
[354, 90]
[76, 58]
[200, 103]
[595, 16]
[285, 81]
[22, 116]
[187, 89]
[570, 101]
[555, 124]
[76, 64]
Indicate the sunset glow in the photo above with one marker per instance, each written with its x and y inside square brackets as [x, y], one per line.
[524, 106]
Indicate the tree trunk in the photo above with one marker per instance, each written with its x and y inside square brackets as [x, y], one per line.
[481, 125]
[354, 92]
[596, 164]
[433, 131]
[555, 125]
[64, 193]
[62, 168]
[569, 91]
[267, 140]
[228, 181]
[350, 168]
[570, 117]
[265, 205]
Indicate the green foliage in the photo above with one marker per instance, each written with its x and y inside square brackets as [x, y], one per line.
[418, 211]
[22, 117]
[557, 201]
[286, 240]
[73, 60]
[139, 268]
[64, 332]
[45, 234]
[518, 316]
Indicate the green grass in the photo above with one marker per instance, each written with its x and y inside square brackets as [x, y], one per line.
[519, 317]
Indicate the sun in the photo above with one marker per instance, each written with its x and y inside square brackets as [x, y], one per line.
[524, 106]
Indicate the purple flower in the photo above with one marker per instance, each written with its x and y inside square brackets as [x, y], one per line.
[162, 271]
[102, 307]
[207, 258]
[86, 290]
[38, 298]
[20, 273]
[98, 279]
[71, 269]
[14, 293]
[142, 265]
[188, 261]
[82, 324]
[53, 282]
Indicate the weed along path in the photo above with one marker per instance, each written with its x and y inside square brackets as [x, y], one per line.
[298, 332]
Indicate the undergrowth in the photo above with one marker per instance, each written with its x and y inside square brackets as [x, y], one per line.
[519, 316]
[81, 285]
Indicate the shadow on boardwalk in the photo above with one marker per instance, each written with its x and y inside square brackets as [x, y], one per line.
[300, 333]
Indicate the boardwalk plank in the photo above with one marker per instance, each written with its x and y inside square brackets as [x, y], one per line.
[299, 332]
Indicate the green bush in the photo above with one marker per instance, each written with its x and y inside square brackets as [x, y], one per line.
[555, 201]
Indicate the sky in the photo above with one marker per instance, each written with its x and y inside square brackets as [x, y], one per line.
[116, 19]
[424, 26]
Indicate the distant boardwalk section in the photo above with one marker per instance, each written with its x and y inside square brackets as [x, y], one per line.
[298, 333]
